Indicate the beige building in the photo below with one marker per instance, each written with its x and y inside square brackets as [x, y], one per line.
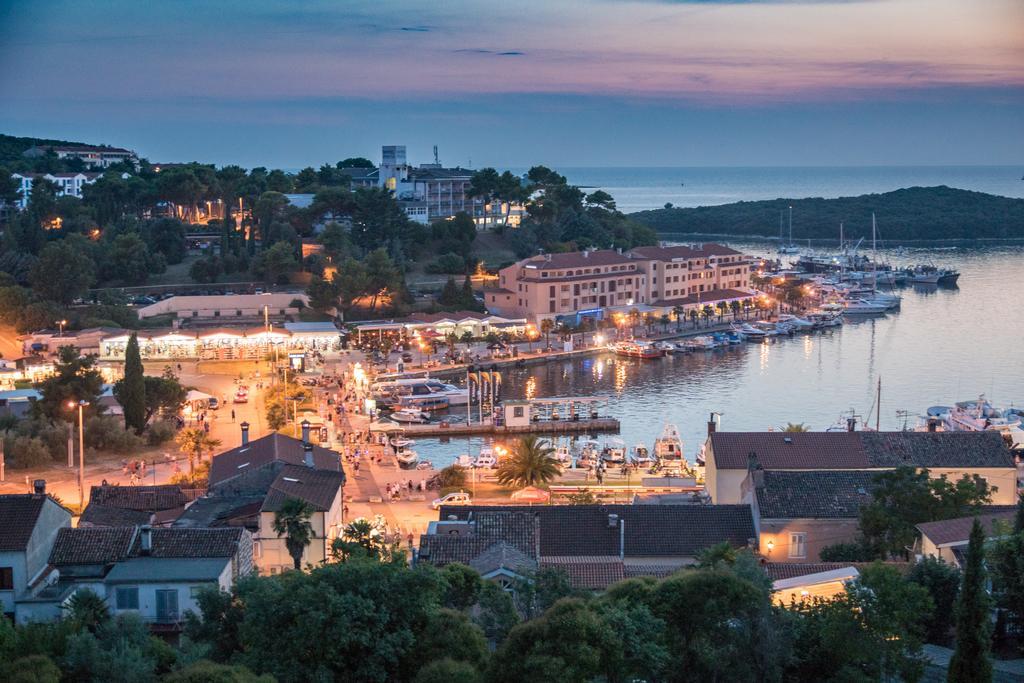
[947, 539]
[953, 454]
[572, 286]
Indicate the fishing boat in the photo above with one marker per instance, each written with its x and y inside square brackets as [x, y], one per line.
[668, 447]
[563, 454]
[406, 457]
[614, 451]
[641, 456]
[588, 452]
[637, 349]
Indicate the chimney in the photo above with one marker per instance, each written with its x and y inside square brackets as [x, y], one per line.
[851, 424]
[757, 478]
[586, 253]
[712, 425]
[39, 487]
[308, 458]
[305, 431]
[933, 424]
[146, 539]
[245, 433]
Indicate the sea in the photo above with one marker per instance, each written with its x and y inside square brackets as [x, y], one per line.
[943, 345]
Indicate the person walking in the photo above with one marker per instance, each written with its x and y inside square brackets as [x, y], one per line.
[232, 415]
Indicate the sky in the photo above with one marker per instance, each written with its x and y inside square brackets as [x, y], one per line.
[510, 84]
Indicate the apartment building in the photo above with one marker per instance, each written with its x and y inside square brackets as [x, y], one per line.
[654, 280]
[92, 156]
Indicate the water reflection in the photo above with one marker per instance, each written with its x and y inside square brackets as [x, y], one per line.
[943, 345]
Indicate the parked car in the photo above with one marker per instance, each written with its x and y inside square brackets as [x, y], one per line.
[407, 357]
[213, 403]
[456, 498]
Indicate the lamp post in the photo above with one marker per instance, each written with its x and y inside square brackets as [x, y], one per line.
[61, 324]
[81, 451]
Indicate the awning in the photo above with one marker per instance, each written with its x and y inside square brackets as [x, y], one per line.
[196, 395]
[386, 427]
[531, 494]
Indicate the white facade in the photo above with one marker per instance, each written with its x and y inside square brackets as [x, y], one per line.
[226, 305]
[68, 184]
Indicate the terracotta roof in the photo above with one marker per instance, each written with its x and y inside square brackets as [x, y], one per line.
[19, 513]
[578, 259]
[859, 450]
[319, 488]
[92, 545]
[590, 573]
[819, 494]
[685, 252]
[958, 530]
[705, 297]
[107, 515]
[659, 571]
[263, 451]
[149, 498]
[662, 530]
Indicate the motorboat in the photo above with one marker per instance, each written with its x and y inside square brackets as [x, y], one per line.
[401, 442]
[641, 456]
[862, 307]
[795, 322]
[749, 332]
[425, 403]
[825, 319]
[669, 446]
[704, 342]
[614, 451]
[410, 415]
[637, 349]
[406, 457]
[667, 347]
[421, 389]
[563, 454]
[485, 460]
[589, 450]
[771, 329]
[979, 415]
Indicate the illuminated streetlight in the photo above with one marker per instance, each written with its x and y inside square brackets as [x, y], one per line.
[81, 451]
[61, 323]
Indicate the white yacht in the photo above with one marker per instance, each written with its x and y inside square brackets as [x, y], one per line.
[410, 415]
[795, 322]
[406, 457]
[862, 307]
[422, 388]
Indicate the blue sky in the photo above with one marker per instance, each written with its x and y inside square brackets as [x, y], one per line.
[597, 82]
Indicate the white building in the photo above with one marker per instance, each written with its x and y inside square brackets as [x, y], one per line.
[68, 184]
[91, 156]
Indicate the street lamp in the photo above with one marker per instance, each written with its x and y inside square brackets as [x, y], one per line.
[61, 323]
[81, 451]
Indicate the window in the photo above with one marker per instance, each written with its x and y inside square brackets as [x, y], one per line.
[194, 591]
[517, 411]
[6, 578]
[128, 597]
[167, 605]
[798, 545]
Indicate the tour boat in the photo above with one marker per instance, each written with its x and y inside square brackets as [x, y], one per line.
[421, 389]
[425, 403]
[637, 349]
[669, 446]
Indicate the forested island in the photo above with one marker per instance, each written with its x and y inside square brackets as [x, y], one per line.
[915, 213]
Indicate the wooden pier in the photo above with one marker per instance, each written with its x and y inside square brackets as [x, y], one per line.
[442, 429]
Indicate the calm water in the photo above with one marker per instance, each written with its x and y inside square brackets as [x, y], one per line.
[945, 345]
[636, 189]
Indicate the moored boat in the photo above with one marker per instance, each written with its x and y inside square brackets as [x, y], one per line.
[637, 349]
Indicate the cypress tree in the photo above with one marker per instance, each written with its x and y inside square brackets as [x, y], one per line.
[970, 662]
[133, 388]
[468, 300]
[450, 295]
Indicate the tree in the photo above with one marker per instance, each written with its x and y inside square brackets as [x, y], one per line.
[450, 295]
[447, 671]
[277, 414]
[942, 581]
[796, 427]
[205, 671]
[129, 261]
[546, 325]
[1006, 565]
[206, 270]
[291, 520]
[87, 610]
[323, 294]
[131, 391]
[193, 443]
[69, 258]
[167, 236]
[530, 464]
[970, 661]
[276, 262]
[163, 394]
[463, 586]
[352, 281]
[75, 379]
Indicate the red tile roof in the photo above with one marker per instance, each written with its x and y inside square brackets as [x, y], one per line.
[685, 252]
[263, 451]
[958, 530]
[590, 573]
[859, 450]
[578, 259]
[18, 516]
[709, 298]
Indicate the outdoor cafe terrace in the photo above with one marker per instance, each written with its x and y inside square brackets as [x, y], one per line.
[225, 343]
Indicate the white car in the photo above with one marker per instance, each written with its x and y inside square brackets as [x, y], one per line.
[456, 498]
[485, 462]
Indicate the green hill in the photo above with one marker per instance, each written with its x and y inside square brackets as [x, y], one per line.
[916, 213]
[11, 147]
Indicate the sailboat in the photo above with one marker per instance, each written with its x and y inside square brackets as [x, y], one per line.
[791, 247]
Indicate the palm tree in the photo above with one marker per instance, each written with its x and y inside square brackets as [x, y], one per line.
[680, 314]
[531, 464]
[193, 443]
[722, 308]
[734, 306]
[796, 427]
[292, 521]
[664, 320]
[546, 325]
[87, 610]
[693, 317]
[706, 313]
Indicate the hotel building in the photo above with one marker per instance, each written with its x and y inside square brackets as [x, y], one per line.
[653, 280]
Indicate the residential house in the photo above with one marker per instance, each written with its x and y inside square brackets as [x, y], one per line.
[249, 484]
[598, 284]
[953, 454]
[155, 573]
[947, 539]
[68, 184]
[119, 506]
[595, 545]
[797, 513]
[92, 156]
[29, 524]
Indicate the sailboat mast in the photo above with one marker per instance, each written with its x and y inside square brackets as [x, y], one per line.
[878, 402]
[874, 255]
[791, 225]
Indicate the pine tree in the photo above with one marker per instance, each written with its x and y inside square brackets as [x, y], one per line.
[133, 389]
[468, 300]
[450, 295]
[970, 662]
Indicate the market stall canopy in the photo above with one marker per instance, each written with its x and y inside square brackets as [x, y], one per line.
[386, 427]
[531, 494]
[196, 395]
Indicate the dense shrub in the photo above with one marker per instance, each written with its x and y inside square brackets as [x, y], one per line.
[160, 431]
[107, 433]
[27, 451]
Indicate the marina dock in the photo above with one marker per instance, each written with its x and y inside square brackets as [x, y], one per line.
[442, 429]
